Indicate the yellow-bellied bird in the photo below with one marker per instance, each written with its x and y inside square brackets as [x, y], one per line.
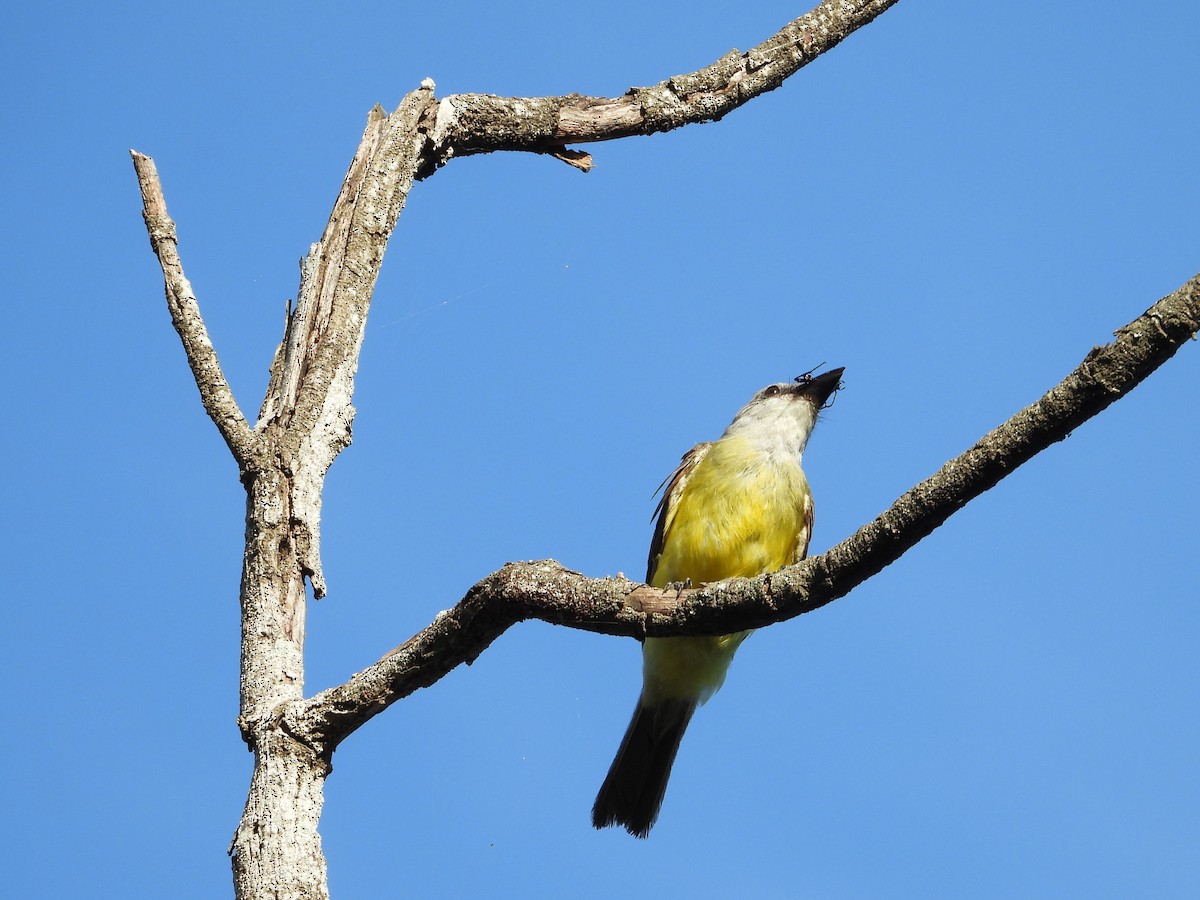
[736, 507]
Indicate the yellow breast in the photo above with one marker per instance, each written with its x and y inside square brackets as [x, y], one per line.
[740, 514]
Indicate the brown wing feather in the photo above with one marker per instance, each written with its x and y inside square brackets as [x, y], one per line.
[672, 488]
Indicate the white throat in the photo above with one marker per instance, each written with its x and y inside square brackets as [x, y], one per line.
[778, 426]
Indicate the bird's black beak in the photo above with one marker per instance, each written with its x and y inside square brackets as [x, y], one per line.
[820, 387]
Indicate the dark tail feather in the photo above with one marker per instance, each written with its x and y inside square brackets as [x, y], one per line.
[633, 791]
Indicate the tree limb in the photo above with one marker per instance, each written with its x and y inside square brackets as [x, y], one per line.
[546, 591]
[215, 393]
[466, 124]
[312, 378]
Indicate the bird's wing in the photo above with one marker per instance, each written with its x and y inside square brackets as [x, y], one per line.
[672, 489]
[806, 528]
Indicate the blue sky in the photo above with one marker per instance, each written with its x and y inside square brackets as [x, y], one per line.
[956, 204]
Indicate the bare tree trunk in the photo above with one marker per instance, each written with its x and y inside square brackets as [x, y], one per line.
[276, 850]
[307, 415]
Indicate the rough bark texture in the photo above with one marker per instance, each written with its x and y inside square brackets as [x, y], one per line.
[305, 422]
[276, 850]
[307, 415]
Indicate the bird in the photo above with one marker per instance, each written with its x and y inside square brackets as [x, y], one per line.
[736, 507]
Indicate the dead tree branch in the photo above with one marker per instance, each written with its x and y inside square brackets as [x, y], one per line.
[466, 124]
[546, 591]
[215, 393]
[309, 398]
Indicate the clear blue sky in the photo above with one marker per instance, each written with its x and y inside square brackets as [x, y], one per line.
[956, 205]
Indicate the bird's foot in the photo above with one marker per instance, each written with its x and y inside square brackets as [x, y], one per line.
[679, 587]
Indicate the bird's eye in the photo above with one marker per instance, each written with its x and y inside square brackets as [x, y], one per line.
[771, 390]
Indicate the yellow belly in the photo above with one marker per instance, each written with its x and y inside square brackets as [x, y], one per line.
[739, 515]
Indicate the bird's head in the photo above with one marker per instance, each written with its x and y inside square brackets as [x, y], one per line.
[784, 414]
